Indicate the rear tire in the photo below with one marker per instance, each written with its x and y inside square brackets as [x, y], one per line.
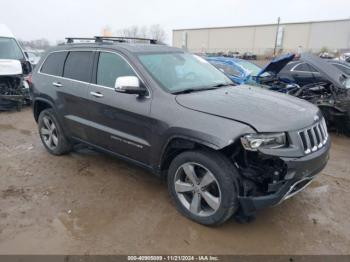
[51, 133]
[203, 185]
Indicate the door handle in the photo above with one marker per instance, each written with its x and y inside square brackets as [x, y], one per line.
[57, 84]
[96, 94]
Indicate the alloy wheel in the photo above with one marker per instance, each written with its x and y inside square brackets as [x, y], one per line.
[49, 133]
[197, 189]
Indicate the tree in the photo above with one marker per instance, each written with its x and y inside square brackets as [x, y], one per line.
[132, 31]
[154, 31]
[35, 44]
[157, 32]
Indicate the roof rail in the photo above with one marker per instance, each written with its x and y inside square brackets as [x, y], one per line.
[121, 39]
[70, 40]
[124, 39]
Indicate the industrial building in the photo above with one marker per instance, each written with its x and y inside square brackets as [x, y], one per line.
[333, 35]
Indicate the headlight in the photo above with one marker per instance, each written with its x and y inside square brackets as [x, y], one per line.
[271, 140]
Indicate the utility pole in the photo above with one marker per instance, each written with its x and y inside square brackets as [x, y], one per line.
[278, 27]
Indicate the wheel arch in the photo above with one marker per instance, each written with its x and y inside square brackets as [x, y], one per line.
[39, 105]
[179, 144]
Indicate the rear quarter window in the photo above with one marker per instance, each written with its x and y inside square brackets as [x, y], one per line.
[53, 64]
[78, 65]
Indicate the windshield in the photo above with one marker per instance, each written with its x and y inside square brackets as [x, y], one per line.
[182, 71]
[9, 49]
[253, 69]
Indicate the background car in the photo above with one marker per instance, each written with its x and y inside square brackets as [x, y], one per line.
[231, 67]
[345, 57]
[303, 73]
[249, 56]
[234, 54]
[14, 68]
[326, 55]
[244, 72]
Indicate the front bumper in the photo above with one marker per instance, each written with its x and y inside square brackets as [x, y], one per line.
[300, 173]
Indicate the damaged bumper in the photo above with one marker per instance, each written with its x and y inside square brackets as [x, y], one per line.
[14, 93]
[300, 173]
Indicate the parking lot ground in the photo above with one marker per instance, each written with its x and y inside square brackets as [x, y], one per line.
[90, 203]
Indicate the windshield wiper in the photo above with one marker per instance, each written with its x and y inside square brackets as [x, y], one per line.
[221, 85]
[191, 90]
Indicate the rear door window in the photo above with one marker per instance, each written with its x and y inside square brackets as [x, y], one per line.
[53, 64]
[78, 65]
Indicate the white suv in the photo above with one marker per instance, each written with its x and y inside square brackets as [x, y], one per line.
[14, 66]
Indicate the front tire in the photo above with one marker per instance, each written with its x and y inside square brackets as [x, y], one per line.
[51, 133]
[203, 185]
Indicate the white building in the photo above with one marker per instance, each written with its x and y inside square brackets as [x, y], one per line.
[260, 39]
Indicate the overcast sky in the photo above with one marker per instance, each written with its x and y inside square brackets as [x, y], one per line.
[56, 19]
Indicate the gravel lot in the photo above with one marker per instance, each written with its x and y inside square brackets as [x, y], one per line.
[89, 203]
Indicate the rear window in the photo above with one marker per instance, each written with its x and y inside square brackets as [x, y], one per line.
[53, 64]
[78, 66]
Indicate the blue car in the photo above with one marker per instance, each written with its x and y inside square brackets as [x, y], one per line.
[244, 72]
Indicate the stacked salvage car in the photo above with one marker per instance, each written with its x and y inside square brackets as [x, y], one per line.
[14, 69]
[311, 78]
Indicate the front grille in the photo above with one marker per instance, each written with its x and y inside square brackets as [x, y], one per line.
[315, 137]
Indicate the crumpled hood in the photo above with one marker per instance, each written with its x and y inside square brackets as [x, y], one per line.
[264, 110]
[277, 64]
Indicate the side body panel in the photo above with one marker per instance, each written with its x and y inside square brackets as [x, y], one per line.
[133, 127]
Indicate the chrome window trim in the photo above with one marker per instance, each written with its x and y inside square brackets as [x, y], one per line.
[83, 82]
[293, 68]
[298, 71]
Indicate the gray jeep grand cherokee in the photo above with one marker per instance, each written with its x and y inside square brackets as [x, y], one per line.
[223, 149]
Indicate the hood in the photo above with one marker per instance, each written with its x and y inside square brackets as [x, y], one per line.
[333, 74]
[265, 111]
[10, 67]
[277, 64]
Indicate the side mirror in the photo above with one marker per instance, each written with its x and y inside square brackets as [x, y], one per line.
[27, 67]
[129, 85]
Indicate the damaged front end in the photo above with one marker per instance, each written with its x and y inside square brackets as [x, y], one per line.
[277, 170]
[14, 89]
